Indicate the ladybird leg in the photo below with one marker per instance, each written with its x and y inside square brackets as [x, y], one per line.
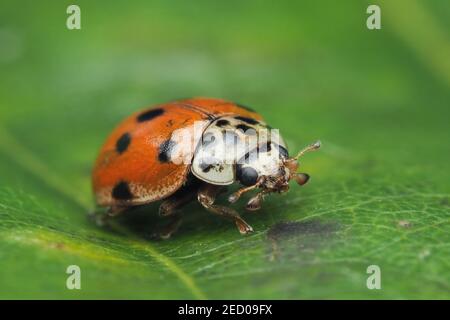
[97, 216]
[169, 206]
[101, 217]
[207, 196]
[114, 211]
[255, 202]
[236, 195]
[167, 231]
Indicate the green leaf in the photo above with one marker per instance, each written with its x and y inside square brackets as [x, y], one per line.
[380, 188]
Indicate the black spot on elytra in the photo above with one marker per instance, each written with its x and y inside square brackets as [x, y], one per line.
[121, 191]
[245, 107]
[247, 120]
[123, 142]
[246, 175]
[165, 150]
[221, 123]
[150, 114]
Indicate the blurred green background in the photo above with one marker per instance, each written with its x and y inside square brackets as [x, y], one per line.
[378, 100]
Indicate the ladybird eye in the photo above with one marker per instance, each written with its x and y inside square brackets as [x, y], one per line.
[283, 152]
[247, 175]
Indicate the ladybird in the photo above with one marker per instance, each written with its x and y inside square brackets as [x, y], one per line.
[193, 148]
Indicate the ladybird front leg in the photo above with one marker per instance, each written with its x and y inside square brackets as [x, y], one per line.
[255, 202]
[234, 197]
[207, 196]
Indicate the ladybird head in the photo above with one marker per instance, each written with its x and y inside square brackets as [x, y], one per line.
[271, 172]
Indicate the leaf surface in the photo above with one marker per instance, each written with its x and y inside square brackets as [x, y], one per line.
[379, 192]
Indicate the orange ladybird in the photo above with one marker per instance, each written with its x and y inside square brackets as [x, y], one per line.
[193, 148]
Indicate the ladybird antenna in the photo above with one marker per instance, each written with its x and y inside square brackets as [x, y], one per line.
[312, 147]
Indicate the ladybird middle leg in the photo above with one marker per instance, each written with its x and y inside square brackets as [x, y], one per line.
[169, 208]
[207, 195]
[171, 205]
